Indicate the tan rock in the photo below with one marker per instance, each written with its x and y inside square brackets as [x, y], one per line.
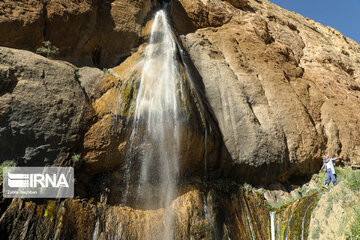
[85, 31]
[239, 3]
[200, 14]
[106, 141]
[21, 24]
[281, 86]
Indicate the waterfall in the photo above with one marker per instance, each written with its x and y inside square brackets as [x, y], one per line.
[154, 143]
[279, 226]
[96, 229]
[209, 217]
[249, 221]
[227, 232]
[303, 223]
[158, 105]
[288, 225]
[272, 224]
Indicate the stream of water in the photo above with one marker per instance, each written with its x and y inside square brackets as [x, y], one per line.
[288, 225]
[249, 221]
[272, 224]
[157, 118]
[303, 223]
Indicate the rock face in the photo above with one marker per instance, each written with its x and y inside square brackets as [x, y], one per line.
[97, 32]
[106, 142]
[229, 213]
[198, 215]
[284, 88]
[43, 109]
[269, 92]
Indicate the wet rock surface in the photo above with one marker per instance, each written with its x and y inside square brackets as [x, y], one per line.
[198, 215]
[106, 142]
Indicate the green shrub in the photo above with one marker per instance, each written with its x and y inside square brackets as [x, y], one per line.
[247, 187]
[75, 158]
[7, 163]
[353, 181]
[328, 210]
[105, 70]
[316, 233]
[354, 233]
[48, 50]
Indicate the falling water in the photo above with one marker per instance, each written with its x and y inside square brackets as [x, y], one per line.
[279, 226]
[96, 229]
[272, 224]
[227, 232]
[155, 138]
[249, 221]
[209, 217]
[303, 223]
[288, 225]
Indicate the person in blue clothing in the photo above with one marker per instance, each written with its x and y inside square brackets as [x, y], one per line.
[330, 170]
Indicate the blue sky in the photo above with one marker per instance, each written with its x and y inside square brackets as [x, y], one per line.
[341, 15]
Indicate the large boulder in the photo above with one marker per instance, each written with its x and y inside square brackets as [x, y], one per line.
[43, 109]
[284, 88]
[86, 32]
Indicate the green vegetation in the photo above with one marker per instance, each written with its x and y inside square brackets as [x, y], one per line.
[75, 158]
[316, 232]
[348, 196]
[247, 187]
[50, 210]
[77, 75]
[7, 163]
[353, 181]
[300, 193]
[354, 233]
[48, 50]
[278, 205]
[105, 70]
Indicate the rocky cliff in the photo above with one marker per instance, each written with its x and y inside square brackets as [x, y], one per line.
[43, 111]
[284, 88]
[267, 91]
[95, 32]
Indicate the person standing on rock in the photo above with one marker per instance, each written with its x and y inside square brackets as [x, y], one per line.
[330, 170]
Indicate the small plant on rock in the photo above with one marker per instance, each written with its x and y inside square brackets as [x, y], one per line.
[75, 158]
[6, 163]
[105, 70]
[48, 50]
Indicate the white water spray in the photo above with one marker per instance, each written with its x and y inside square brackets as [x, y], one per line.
[303, 223]
[288, 225]
[249, 221]
[227, 232]
[159, 111]
[158, 103]
[96, 229]
[272, 224]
